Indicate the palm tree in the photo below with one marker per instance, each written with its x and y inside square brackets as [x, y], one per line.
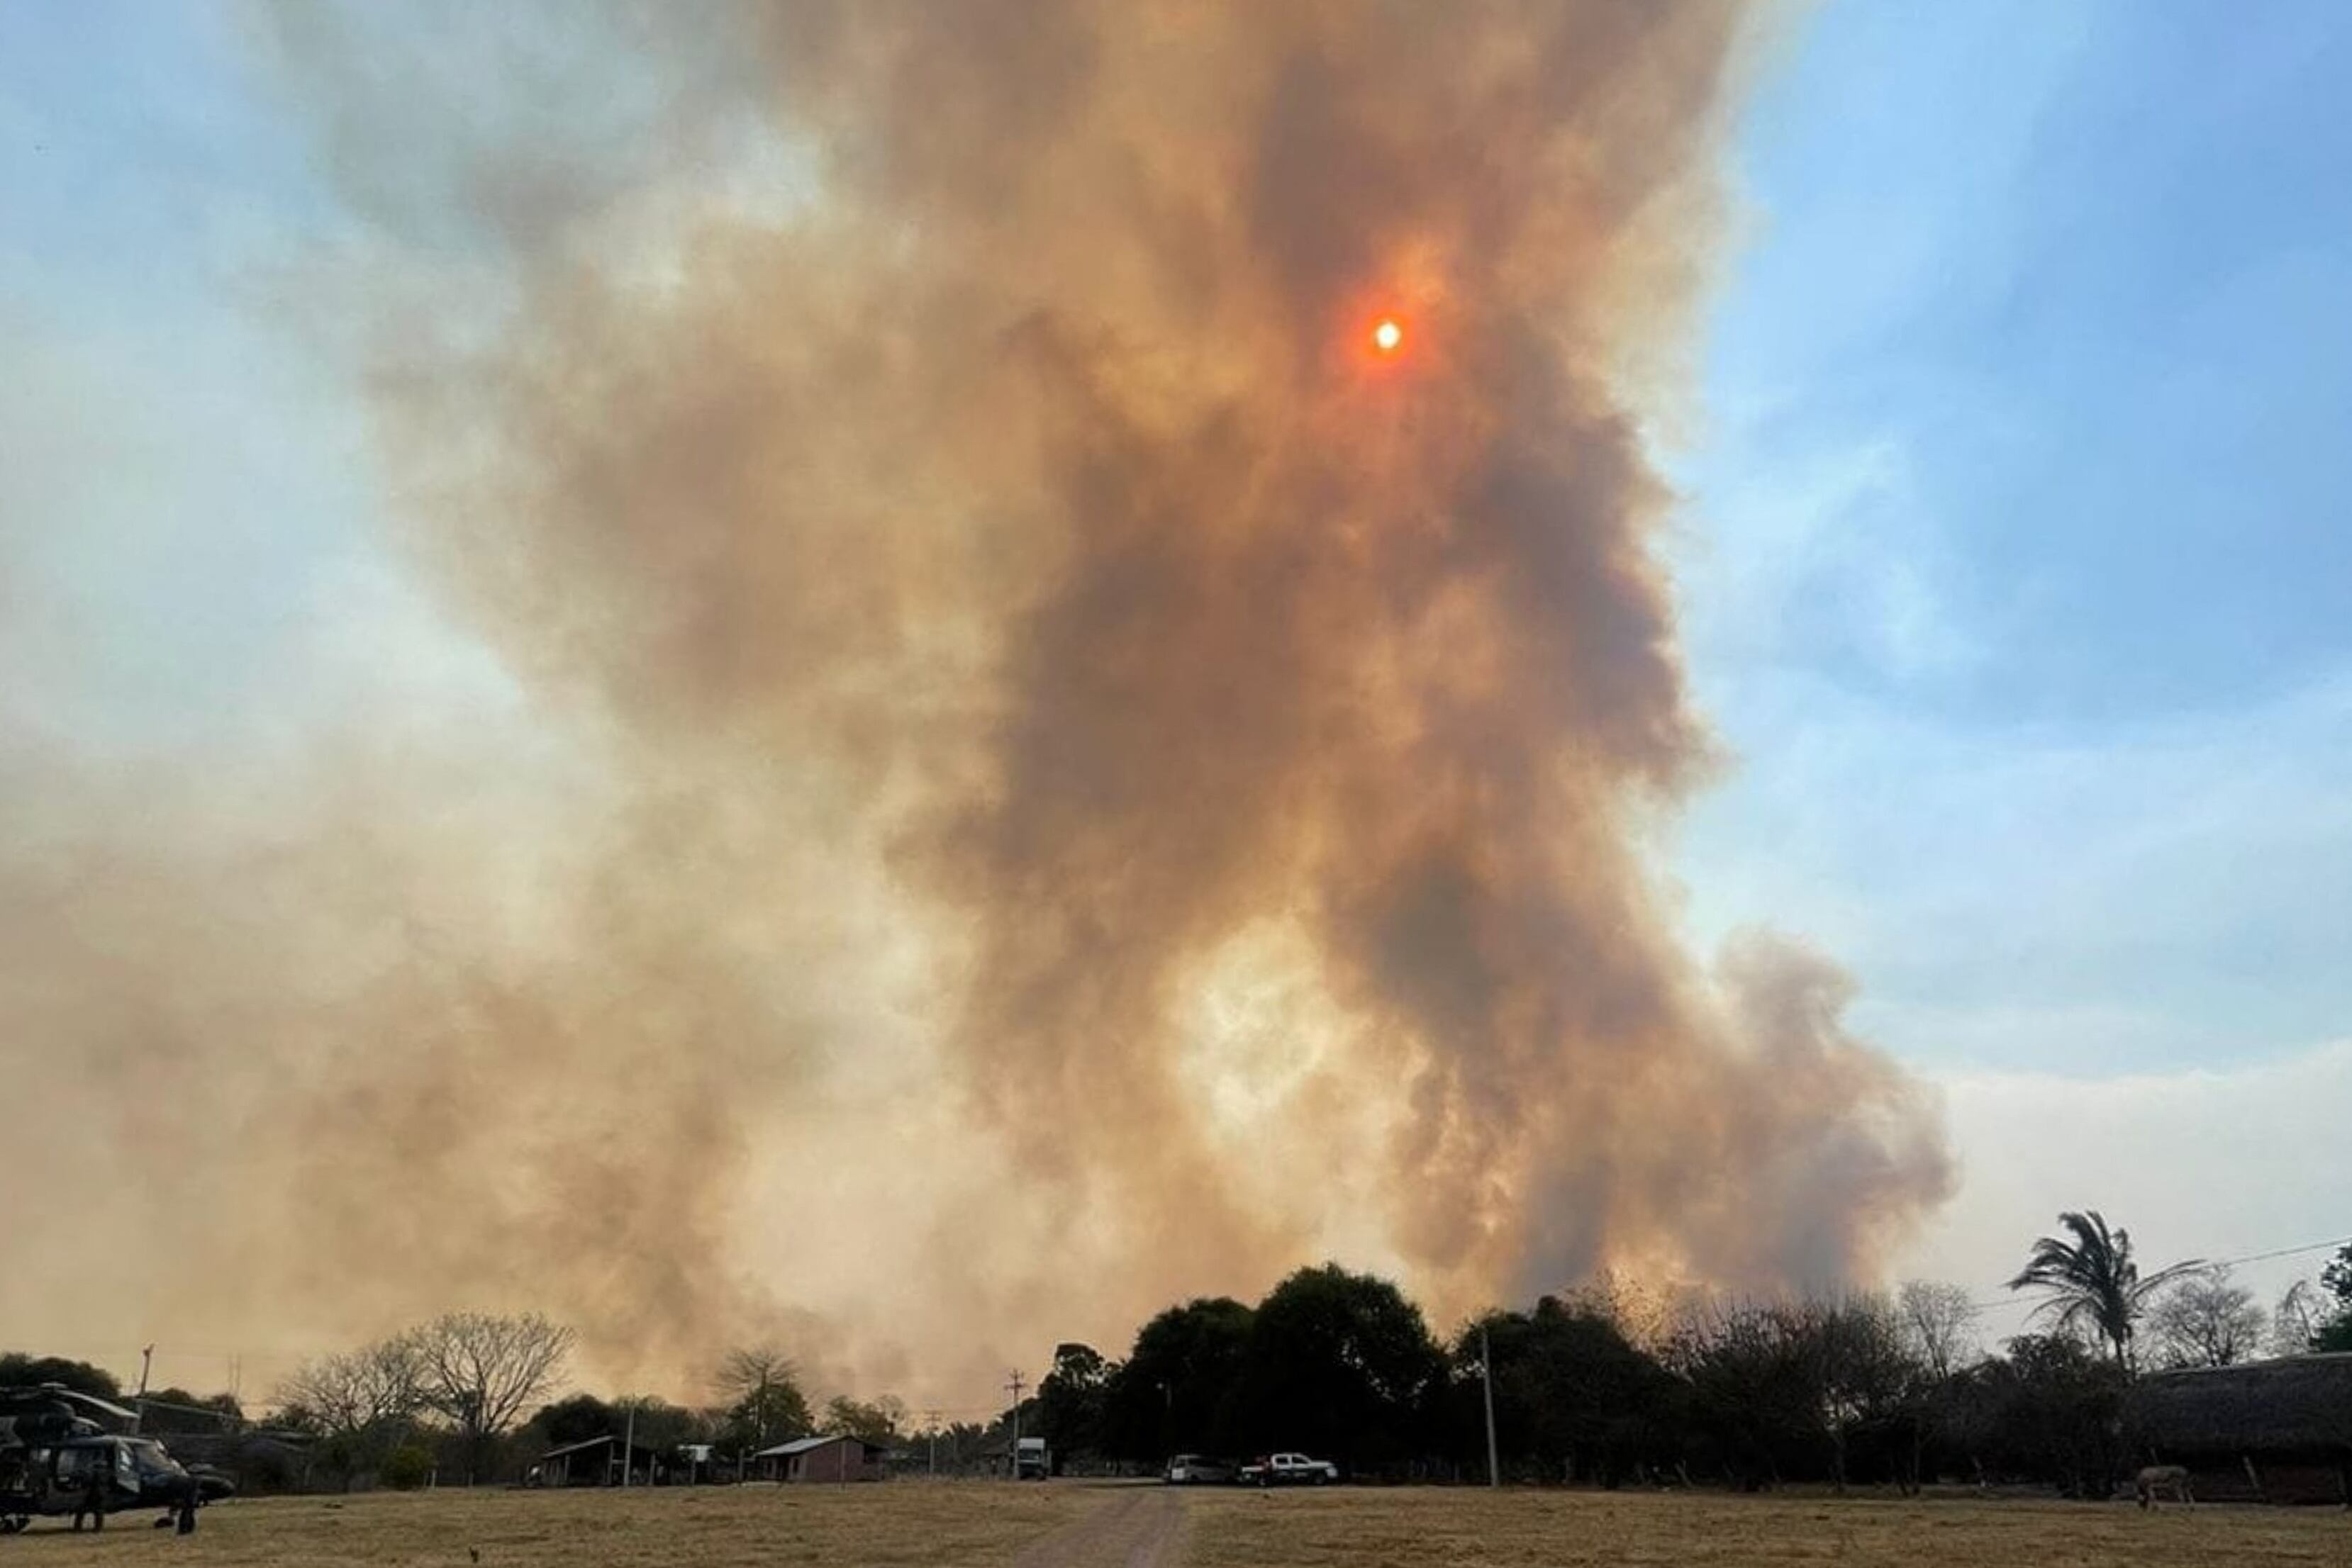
[2093, 1280]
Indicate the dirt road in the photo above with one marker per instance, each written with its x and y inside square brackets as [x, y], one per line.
[1133, 1527]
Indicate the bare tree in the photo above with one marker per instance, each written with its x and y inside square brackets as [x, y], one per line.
[355, 1391]
[2295, 1322]
[2202, 1320]
[1938, 1324]
[761, 1388]
[1854, 1350]
[482, 1370]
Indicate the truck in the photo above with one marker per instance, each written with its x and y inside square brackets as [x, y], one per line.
[1197, 1470]
[1030, 1460]
[1289, 1470]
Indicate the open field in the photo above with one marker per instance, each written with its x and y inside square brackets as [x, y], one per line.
[1411, 1527]
[1074, 1525]
[894, 1524]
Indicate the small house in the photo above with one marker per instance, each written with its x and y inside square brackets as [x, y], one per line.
[837, 1458]
[2277, 1431]
[597, 1462]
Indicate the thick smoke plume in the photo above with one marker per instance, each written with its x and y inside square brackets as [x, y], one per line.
[1025, 771]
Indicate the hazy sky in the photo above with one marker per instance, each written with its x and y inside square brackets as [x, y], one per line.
[2013, 565]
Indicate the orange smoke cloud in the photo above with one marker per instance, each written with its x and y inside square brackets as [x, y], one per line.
[1055, 791]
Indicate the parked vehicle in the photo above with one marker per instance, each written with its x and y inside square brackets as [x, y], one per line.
[1030, 1460]
[1198, 1470]
[1289, 1471]
[55, 1460]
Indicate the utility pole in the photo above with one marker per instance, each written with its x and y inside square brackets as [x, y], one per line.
[1486, 1376]
[931, 1426]
[629, 1445]
[1012, 1456]
[138, 1405]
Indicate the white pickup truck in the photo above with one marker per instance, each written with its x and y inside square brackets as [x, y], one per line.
[1289, 1471]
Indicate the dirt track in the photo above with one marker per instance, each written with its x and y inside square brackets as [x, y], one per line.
[1138, 1527]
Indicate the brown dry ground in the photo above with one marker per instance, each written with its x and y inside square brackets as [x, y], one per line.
[1410, 1528]
[898, 1523]
[1072, 1525]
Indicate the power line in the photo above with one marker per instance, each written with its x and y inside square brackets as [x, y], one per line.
[2283, 1252]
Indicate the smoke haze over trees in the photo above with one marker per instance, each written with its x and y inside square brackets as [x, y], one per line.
[1609, 1385]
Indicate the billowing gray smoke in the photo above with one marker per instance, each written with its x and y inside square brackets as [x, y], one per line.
[1036, 773]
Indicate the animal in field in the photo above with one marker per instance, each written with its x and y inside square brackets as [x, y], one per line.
[2154, 1479]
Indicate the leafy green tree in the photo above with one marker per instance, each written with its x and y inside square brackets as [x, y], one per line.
[19, 1370]
[2334, 1330]
[1071, 1400]
[1343, 1367]
[1573, 1396]
[2092, 1283]
[878, 1422]
[657, 1424]
[2057, 1414]
[1178, 1390]
[577, 1420]
[407, 1466]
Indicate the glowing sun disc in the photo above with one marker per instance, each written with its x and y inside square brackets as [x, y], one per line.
[1387, 336]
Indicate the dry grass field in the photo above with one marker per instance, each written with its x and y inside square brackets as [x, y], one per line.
[1071, 1525]
[774, 1527]
[1410, 1528]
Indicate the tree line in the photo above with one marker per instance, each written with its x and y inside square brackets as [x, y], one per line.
[451, 1398]
[1594, 1385]
[1856, 1386]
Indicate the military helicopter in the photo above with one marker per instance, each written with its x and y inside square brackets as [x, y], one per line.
[56, 1460]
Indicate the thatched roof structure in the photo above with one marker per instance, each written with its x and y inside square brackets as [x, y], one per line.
[2299, 1406]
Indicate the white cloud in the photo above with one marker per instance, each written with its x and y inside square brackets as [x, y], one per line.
[2200, 1163]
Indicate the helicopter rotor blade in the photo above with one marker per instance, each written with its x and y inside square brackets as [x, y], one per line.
[88, 1401]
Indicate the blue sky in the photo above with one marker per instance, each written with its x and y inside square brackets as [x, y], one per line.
[178, 475]
[2013, 563]
[2016, 573]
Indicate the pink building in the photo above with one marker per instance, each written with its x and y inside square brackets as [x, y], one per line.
[834, 1458]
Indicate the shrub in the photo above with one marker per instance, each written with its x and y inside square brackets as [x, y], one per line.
[407, 1466]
